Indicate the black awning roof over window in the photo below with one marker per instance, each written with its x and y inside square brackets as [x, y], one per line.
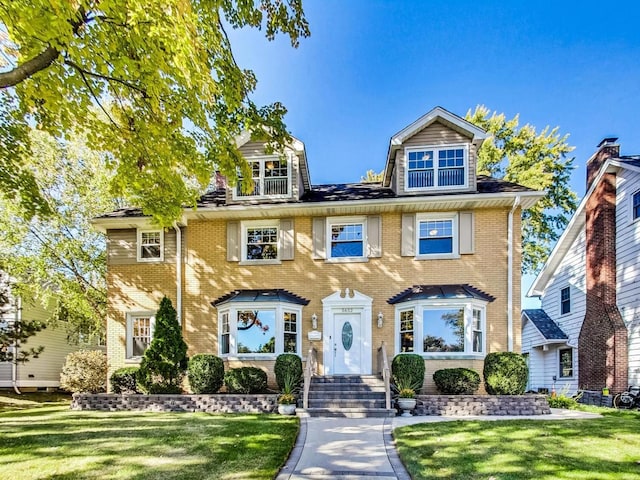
[440, 292]
[264, 295]
[545, 324]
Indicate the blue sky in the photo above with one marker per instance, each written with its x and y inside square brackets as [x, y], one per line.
[371, 67]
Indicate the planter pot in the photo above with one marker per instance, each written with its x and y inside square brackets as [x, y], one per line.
[406, 405]
[287, 408]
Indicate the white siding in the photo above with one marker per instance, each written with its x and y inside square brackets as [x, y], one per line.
[628, 270]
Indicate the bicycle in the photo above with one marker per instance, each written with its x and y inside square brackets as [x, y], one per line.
[628, 399]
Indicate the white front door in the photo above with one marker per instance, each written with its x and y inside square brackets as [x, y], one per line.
[347, 343]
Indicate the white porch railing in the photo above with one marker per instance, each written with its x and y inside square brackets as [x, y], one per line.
[383, 368]
[310, 369]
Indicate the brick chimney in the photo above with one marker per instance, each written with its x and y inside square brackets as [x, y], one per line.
[602, 344]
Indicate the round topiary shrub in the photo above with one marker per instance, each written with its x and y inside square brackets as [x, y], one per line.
[505, 373]
[245, 380]
[206, 373]
[407, 370]
[84, 371]
[287, 364]
[124, 380]
[457, 381]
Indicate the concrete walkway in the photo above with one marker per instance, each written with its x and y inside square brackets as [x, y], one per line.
[359, 448]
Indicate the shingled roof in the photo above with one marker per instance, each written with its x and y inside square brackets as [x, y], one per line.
[545, 324]
[439, 292]
[265, 295]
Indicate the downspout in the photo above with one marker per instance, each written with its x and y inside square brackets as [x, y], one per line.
[516, 203]
[14, 366]
[178, 271]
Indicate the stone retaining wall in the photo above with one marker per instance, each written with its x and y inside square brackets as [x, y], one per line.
[176, 403]
[482, 405]
[595, 397]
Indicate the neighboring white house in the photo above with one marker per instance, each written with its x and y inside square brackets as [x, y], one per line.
[42, 372]
[587, 333]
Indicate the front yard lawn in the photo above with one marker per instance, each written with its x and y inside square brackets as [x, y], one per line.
[604, 448]
[51, 441]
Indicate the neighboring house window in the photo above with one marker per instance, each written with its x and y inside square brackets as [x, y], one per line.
[566, 362]
[139, 333]
[264, 329]
[260, 241]
[446, 327]
[346, 238]
[433, 167]
[635, 207]
[565, 300]
[406, 331]
[150, 245]
[437, 236]
[269, 178]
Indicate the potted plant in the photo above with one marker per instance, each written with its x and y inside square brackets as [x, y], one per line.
[406, 396]
[287, 399]
[605, 391]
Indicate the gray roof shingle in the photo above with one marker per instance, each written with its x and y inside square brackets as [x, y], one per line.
[263, 295]
[435, 292]
[543, 322]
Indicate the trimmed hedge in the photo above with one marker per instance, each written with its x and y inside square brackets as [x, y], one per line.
[206, 373]
[245, 380]
[84, 371]
[287, 362]
[505, 373]
[124, 380]
[457, 381]
[407, 370]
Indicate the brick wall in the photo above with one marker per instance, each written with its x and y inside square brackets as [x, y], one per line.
[482, 405]
[208, 275]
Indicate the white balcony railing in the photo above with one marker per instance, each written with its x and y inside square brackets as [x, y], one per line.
[265, 187]
[447, 177]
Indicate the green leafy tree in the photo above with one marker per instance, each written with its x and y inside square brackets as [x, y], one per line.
[59, 258]
[172, 98]
[536, 160]
[372, 177]
[165, 360]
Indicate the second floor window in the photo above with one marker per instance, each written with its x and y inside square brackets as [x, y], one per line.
[436, 168]
[150, 245]
[565, 301]
[269, 178]
[636, 205]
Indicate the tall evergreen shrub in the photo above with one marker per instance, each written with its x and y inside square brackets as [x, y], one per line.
[288, 364]
[407, 370]
[165, 360]
[505, 373]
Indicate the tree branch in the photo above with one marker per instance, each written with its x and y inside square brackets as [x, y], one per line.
[28, 68]
[106, 77]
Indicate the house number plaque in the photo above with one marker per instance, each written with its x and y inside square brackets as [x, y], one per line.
[347, 335]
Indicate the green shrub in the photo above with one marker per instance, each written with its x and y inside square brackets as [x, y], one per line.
[505, 373]
[407, 370]
[206, 373]
[84, 371]
[457, 381]
[245, 380]
[165, 361]
[124, 380]
[288, 365]
[562, 401]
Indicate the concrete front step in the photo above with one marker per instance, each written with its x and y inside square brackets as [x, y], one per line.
[342, 387]
[313, 393]
[342, 379]
[346, 403]
[347, 412]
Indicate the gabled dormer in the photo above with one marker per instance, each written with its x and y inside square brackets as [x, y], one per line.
[435, 154]
[276, 177]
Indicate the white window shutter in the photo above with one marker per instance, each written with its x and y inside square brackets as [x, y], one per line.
[233, 241]
[319, 251]
[286, 239]
[408, 248]
[466, 232]
[374, 236]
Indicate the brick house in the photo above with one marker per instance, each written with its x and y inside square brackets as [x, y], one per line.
[427, 261]
[587, 334]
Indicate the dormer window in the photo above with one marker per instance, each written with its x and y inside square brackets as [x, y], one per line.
[270, 177]
[436, 167]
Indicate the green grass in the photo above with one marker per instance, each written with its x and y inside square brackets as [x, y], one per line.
[46, 440]
[603, 448]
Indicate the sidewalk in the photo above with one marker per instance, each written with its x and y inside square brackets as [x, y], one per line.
[359, 448]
